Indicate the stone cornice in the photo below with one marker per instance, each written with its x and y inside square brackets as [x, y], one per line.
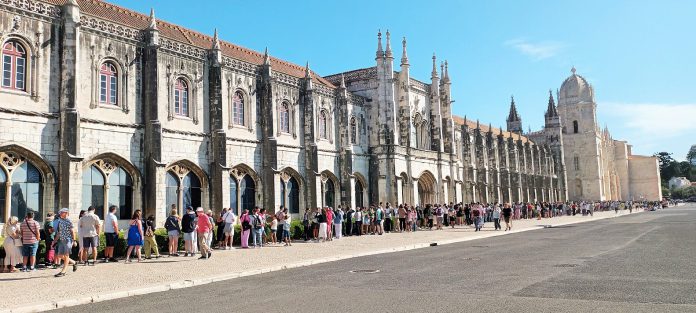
[37, 9]
[29, 113]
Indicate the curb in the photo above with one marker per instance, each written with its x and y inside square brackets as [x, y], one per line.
[229, 276]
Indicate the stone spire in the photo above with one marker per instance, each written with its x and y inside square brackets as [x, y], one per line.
[266, 58]
[490, 127]
[404, 55]
[389, 53]
[442, 71]
[514, 122]
[343, 81]
[513, 116]
[73, 3]
[551, 110]
[153, 20]
[380, 52]
[216, 41]
[446, 77]
[434, 73]
[478, 125]
[308, 77]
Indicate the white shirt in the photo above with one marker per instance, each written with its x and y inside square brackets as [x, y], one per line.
[109, 223]
[229, 217]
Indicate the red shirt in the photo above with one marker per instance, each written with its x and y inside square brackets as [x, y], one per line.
[203, 223]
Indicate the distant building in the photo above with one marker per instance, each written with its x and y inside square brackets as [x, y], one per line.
[679, 182]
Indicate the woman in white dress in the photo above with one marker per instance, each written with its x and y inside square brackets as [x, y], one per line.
[13, 254]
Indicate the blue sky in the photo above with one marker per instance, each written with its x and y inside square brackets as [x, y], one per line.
[639, 55]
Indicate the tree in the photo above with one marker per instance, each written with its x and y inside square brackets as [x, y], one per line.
[665, 159]
[691, 155]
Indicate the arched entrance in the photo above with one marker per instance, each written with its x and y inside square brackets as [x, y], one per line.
[360, 190]
[290, 190]
[185, 186]
[329, 185]
[426, 189]
[244, 188]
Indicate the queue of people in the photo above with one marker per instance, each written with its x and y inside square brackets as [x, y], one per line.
[202, 231]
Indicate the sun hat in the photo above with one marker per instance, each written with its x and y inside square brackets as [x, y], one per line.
[63, 210]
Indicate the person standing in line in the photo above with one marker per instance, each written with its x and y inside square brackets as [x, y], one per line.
[280, 217]
[135, 236]
[66, 236]
[188, 227]
[90, 227]
[256, 228]
[48, 235]
[329, 223]
[12, 245]
[496, 217]
[306, 224]
[286, 228]
[80, 237]
[245, 220]
[388, 213]
[349, 221]
[452, 214]
[220, 234]
[402, 217]
[211, 233]
[338, 223]
[204, 228]
[30, 230]
[322, 225]
[507, 213]
[150, 243]
[173, 229]
[110, 234]
[357, 216]
[230, 219]
[274, 230]
[315, 223]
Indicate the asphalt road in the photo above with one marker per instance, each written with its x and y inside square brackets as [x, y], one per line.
[639, 263]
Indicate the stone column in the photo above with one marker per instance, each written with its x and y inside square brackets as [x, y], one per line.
[218, 137]
[269, 143]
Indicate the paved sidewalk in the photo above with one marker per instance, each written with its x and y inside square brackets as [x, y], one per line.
[118, 280]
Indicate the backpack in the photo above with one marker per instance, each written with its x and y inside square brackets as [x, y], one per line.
[438, 211]
[257, 222]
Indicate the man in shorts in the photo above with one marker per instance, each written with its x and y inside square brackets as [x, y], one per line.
[110, 234]
[229, 219]
[89, 225]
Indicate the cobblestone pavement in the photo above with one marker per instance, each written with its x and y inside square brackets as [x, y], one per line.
[117, 280]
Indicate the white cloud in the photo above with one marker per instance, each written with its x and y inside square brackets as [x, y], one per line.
[536, 50]
[652, 127]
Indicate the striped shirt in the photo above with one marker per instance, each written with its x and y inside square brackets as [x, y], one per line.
[30, 230]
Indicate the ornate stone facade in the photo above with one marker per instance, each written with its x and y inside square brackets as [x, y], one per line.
[117, 108]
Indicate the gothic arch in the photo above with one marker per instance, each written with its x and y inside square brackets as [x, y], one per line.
[288, 174]
[360, 197]
[183, 167]
[330, 189]
[427, 188]
[238, 173]
[121, 86]
[11, 157]
[108, 162]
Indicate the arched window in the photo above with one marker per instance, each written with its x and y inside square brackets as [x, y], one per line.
[181, 98]
[353, 130]
[238, 108]
[329, 194]
[191, 191]
[293, 192]
[183, 190]
[108, 83]
[93, 190]
[233, 195]
[575, 127]
[323, 125]
[172, 189]
[14, 65]
[3, 195]
[248, 189]
[101, 196]
[121, 192]
[285, 117]
[26, 190]
[359, 193]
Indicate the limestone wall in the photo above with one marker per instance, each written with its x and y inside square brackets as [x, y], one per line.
[644, 178]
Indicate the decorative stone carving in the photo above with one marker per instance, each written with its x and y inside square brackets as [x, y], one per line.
[10, 160]
[179, 170]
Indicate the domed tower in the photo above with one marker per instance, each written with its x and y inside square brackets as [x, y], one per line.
[581, 138]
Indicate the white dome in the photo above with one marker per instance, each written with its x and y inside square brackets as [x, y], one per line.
[575, 89]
